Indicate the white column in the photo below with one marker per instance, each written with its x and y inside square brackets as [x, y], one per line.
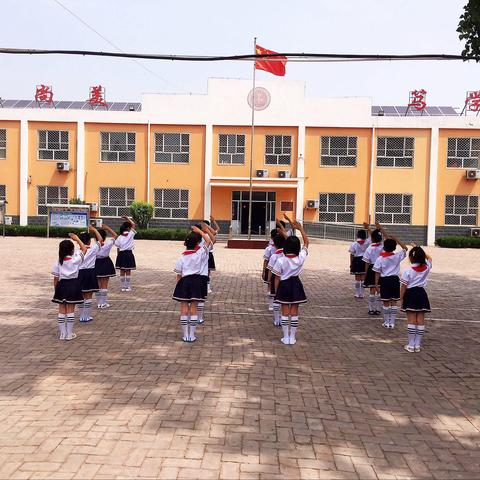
[207, 195]
[81, 160]
[23, 172]
[300, 173]
[432, 187]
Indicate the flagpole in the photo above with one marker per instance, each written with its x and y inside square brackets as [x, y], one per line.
[251, 145]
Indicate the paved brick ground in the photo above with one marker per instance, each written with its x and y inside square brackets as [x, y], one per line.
[128, 399]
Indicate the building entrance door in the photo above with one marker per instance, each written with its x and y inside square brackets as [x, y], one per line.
[263, 212]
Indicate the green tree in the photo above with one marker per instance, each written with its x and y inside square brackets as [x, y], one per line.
[142, 213]
[469, 28]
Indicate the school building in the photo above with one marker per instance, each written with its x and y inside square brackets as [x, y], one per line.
[322, 160]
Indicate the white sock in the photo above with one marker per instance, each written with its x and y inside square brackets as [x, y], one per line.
[127, 281]
[393, 315]
[419, 335]
[293, 329]
[200, 308]
[99, 297]
[123, 280]
[371, 303]
[378, 303]
[104, 296]
[276, 314]
[357, 287]
[81, 310]
[193, 326]
[62, 327]
[184, 324]
[88, 309]
[386, 315]
[284, 321]
[70, 322]
[411, 331]
[362, 289]
[270, 301]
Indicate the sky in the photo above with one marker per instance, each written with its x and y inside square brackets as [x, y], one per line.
[214, 27]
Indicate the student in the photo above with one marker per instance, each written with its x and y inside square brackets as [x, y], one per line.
[268, 252]
[104, 267]
[278, 243]
[87, 274]
[190, 288]
[125, 259]
[357, 265]
[414, 298]
[369, 257]
[289, 288]
[213, 230]
[290, 230]
[205, 273]
[387, 270]
[68, 291]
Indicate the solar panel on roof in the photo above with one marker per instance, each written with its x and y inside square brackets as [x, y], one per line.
[433, 111]
[401, 110]
[448, 111]
[389, 110]
[117, 106]
[9, 103]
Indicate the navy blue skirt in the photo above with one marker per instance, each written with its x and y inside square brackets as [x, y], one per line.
[389, 288]
[290, 291]
[88, 280]
[68, 291]
[190, 289]
[104, 267]
[357, 267]
[211, 261]
[125, 260]
[416, 300]
[369, 281]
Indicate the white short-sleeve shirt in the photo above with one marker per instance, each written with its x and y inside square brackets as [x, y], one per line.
[105, 248]
[416, 275]
[192, 262]
[388, 263]
[125, 241]
[359, 246]
[372, 252]
[273, 258]
[288, 265]
[269, 251]
[90, 256]
[69, 268]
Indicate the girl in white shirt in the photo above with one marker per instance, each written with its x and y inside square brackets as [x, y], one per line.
[268, 252]
[357, 265]
[415, 300]
[278, 243]
[371, 254]
[68, 291]
[289, 288]
[104, 267]
[190, 287]
[125, 259]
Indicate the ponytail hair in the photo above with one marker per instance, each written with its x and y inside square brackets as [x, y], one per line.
[65, 249]
[418, 255]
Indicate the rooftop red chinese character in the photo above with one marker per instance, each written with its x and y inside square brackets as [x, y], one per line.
[418, 99]
[97, 96]
[44, 94]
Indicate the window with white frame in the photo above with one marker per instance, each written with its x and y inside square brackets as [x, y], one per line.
[231, 149]
[395, 152]
[3, 143]
[463, 152]
[336, 207]
[172, 147]
[116, 201]
[338, 151]
[50, 195]
[117, 146]
[170, 203]
[53, 145]
[461, 209]
[278, 149]
[393, 208]
[3, 192]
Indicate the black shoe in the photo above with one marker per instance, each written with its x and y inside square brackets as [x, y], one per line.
[371, 312]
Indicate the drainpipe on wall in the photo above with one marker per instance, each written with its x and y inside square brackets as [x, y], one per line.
[432, 187]
[370, 188]
[148, 161]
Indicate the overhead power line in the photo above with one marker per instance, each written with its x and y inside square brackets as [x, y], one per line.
[292, 57]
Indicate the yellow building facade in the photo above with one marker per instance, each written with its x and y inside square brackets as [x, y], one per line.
[326, 162]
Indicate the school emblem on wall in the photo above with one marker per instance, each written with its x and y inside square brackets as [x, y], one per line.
[260, 99]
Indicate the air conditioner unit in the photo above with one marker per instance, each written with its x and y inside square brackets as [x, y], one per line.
[93, 206]
[284, 174]
[262, 173]
[475, 232]
[472, 174]
[312, 203]
[63, 166]
[96, 222]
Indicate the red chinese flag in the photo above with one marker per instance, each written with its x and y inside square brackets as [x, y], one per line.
[275, 65]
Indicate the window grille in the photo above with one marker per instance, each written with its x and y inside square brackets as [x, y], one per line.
[3, 143]
[170, 203]
[278, 149]
[336, 207]
[117, 146]
[461, 209]
[48, 195]
[231, 149]
[395, 152]
[53, 145]
[338, 151]
[3, 192]
[463, 152]
[172, 147]
[391, 208]
[116, 201]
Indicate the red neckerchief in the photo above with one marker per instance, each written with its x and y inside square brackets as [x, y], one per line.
[360, 242]
[280, 250]
[291, 255]
[420, 268]
[375, 244]
[386, 254]
[191, 252]
[67, 258]
[125, 233]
